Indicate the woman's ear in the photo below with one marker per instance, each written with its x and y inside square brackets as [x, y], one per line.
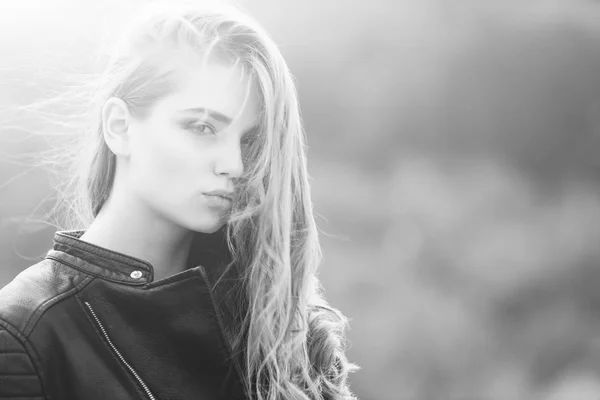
[115, 126]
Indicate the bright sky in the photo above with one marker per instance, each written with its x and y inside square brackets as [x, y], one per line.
[49, 27]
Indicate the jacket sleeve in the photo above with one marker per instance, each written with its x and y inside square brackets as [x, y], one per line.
[18, 376]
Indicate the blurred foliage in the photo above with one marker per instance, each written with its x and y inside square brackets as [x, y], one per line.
[454, 152]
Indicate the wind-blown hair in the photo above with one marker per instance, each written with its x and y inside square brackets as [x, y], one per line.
[293, 341]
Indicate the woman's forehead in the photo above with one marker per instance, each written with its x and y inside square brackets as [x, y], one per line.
[213, 83]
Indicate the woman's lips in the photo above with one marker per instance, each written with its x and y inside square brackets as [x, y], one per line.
[215, 200]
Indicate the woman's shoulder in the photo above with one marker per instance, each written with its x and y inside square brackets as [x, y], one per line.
[25, 298]
[20, 302]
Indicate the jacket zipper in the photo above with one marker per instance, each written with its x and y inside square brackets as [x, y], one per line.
[112, 346]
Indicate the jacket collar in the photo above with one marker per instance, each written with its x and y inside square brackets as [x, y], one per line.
[99, 261]
[209, 251]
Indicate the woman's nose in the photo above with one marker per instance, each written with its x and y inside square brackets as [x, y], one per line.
[229, 160]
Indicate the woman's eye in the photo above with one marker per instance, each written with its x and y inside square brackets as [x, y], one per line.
[245, 142]
[247, 139]
[203, 128]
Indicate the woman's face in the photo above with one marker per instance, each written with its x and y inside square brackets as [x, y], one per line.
[192, 142]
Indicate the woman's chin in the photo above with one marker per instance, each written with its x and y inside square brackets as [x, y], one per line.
[208, 226]
[202, 221]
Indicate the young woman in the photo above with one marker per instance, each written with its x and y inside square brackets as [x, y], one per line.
[195, 277]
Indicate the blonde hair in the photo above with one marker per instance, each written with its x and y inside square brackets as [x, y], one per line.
[271, 233]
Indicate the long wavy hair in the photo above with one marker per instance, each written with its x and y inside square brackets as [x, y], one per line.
[293, 342]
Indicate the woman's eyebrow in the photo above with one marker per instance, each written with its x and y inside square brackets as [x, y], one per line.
[211, 113]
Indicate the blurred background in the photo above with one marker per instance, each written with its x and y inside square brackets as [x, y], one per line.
[454, 155]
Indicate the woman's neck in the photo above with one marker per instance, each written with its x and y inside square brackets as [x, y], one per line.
[135, 230]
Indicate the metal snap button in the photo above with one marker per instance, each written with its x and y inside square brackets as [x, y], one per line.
[136, 274]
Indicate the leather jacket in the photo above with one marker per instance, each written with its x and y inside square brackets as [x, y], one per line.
[91, 323]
